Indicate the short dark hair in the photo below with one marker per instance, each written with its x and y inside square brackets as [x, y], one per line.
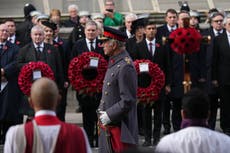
[195, 104]
[149, 22]
[173, 11]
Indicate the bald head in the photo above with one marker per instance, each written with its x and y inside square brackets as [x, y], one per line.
[44, 94]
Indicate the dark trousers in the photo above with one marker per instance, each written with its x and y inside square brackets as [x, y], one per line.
[89, 106]
[213, 110]
[4, 126]
[224, 108]
[166, 113]
[140, 117]
[148, 121]
[61, 108]
[176, 113]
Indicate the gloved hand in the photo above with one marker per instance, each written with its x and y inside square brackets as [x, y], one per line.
[104, 118]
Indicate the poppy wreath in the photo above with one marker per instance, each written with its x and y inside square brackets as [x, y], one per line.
[85, 79]
[149, 92]
[185, 40]
[26, 74]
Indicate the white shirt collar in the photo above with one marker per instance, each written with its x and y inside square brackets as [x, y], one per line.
[228, 33]
[45, 112]
[88, 41]
[153, 41]
[169, 28]
[215, 31]
[128, 33]
[40, 45]
[12, 38]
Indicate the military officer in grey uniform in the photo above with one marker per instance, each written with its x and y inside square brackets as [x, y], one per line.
[117, 109]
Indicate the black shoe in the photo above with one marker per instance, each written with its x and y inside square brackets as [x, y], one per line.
[146, 143]
[166, 131]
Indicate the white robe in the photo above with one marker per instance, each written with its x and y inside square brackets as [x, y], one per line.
[195, 140]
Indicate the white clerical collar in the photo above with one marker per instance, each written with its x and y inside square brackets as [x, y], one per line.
[45, 112]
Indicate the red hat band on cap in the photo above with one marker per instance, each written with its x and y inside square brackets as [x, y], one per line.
[113, 36]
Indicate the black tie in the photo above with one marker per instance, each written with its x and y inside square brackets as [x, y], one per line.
[1, 46]
[39, 53]
[91, 46]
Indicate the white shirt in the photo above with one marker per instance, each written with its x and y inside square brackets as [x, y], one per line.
[153, 45]
[228, 35]
[216, 32]
[47, 134]
[195, 140]
[171, 28]
[89, 44]
[12, 39]
[41, 46]
[128, 33]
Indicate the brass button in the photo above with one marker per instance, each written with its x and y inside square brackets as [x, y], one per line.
[108, 83]
[106, 93]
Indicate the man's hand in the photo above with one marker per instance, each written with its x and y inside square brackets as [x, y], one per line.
[104, 118]
[215, 83]
[167, 89]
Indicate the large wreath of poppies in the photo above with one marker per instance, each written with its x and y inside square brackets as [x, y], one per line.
[185, 40]
[84, 78]
[25, 78]
[149, 83]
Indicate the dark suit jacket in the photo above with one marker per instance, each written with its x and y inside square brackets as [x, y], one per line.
[176, 65]
[161, 57]
[130, 46]
[10, 98]
[81, 46]
[221, 60]
[52, 58]
[209, 60]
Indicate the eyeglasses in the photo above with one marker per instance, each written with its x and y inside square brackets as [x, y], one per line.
[218, 21]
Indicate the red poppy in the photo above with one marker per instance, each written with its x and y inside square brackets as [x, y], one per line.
[79, 69]
[151, 93]
[185, 40]
[26, 74]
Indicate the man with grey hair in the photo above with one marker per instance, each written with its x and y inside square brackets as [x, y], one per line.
[118, 108]
[216, 29]
[73, 16]
[37, 50]
[129, 18]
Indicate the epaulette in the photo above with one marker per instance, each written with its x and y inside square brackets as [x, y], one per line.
[128, 60]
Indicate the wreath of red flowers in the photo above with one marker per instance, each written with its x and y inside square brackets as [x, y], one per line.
[185, 40]
[150, 93]
[25, 76]
[77, 79]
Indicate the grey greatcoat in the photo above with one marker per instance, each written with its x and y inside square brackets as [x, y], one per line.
[119, 99]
